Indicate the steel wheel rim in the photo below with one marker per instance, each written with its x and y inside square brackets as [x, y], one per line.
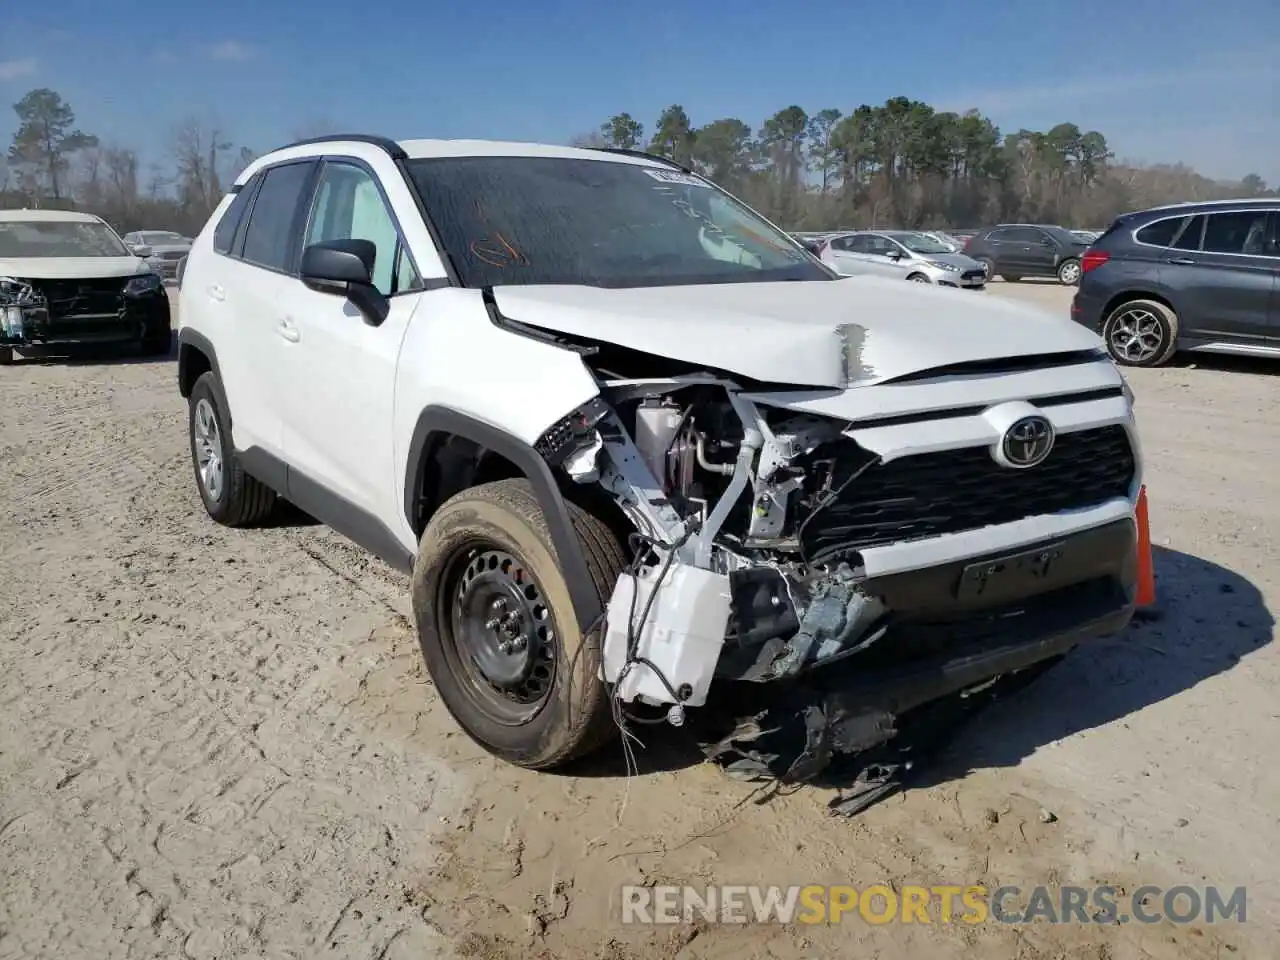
[919, 278]
[207, 438]
[1136, 334]
[1070, 273]
[501, 633]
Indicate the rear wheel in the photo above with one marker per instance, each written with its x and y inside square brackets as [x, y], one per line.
[1141, 333]
[1069, 272]
[499, 632]
[231, 496]
[6, 356]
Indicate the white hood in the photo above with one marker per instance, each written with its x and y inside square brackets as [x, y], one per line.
[71, 268]
[791, 332]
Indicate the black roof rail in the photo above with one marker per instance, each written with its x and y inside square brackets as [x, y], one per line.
[627, 152]
[393, 149]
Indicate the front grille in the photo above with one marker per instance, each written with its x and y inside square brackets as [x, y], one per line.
[973, 274]
[932, 494]
[71, 298]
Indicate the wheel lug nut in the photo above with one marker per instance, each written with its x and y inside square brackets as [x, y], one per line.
[493, 623]
[499, 605]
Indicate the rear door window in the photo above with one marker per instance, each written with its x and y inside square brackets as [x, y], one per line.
[1243, 231]
[270, 239]
[1023, 235]
[1189, 239]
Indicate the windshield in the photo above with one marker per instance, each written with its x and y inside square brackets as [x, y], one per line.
[920, 243]
[552, 220]
[158, 237]
[59, 238]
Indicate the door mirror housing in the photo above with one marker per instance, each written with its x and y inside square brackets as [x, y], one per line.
[142, 250]
[345, 268]
[894, 254]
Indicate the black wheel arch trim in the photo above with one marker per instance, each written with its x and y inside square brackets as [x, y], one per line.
[188, 340]
[443, 421]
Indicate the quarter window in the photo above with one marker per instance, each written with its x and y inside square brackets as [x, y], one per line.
[268, 238]
[1244, 232]
[1160, 233]
[224, 233]
[349, 206]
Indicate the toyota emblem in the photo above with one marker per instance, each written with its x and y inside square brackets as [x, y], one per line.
[1027, 442]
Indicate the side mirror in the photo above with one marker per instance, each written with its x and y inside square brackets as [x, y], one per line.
[345, 268]
[894, 254]
[142, 250]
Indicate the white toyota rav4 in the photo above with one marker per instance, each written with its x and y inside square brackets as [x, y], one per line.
[641, 452]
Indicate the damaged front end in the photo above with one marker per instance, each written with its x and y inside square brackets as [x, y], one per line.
[750, 596]
[39, 311]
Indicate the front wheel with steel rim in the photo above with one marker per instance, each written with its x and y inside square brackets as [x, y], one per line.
[1069, 272]
[499, 632]
[919, 278]
[230, 496]
[1141, 333]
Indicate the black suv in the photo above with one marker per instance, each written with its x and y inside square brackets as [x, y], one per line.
[1017, 250]
[1195, 276]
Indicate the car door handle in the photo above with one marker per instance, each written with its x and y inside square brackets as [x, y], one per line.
[1181, 261]
[287, 330]
[216, 292]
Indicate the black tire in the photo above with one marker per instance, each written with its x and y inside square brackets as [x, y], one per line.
[990, 266]
[240, 500]
[158, 344]
[573, 715]
[6, 356]
[1069, 268]
[919, 278]
[1009, 279]
[1163, 320]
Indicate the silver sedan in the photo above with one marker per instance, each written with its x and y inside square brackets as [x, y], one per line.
[903, 254]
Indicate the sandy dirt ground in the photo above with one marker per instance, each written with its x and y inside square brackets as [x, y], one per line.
[219, 744]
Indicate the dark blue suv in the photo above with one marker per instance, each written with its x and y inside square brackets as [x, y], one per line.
[1194, 276]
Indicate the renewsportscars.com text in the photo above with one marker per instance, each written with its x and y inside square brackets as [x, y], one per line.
[942, 904]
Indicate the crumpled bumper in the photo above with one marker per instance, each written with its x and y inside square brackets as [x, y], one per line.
[858, 716]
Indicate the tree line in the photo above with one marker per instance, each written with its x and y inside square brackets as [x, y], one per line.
[905, 164]
[902, 164]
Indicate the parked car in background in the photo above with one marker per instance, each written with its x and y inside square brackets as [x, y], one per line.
[903, 254]
[67, 277]
[1016, 250]
[1200, 276]
[954, 244]
[1086, 236]
[167, 249]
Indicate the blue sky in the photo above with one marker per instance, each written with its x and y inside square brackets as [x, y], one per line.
[1174, 80]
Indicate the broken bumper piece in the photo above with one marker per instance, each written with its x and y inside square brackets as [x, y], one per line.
[862, 731]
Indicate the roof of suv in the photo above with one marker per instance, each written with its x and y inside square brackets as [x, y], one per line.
[1194, 206]
[429, 148]
[425, 148]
